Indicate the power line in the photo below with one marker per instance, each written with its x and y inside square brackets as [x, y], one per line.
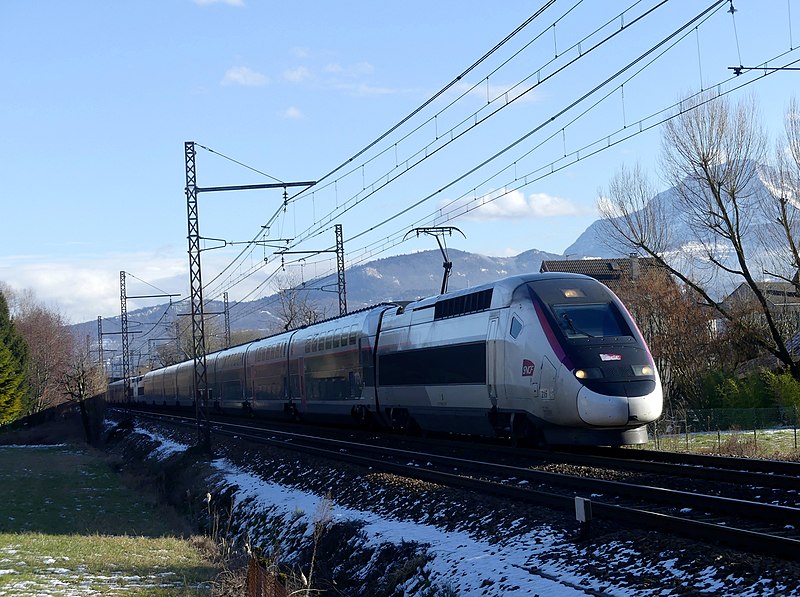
[546, 170]
[427, 151]
[312, 231]
[553, 168]
[439, 93]
[397, 125]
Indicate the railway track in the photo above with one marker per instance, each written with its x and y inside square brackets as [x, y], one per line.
[745, 524]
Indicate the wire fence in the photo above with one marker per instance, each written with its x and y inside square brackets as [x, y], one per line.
[740, 430]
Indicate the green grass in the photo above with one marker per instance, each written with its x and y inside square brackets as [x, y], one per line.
[781, 444]
[68, 524]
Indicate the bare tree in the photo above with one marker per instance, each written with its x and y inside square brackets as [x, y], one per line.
[179, 350]
[677, 330]
[295, 308]
[82, 380]
[50, 344]
[712, 152]
[783, 201]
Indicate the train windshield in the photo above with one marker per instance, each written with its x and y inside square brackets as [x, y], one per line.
[582, 308]
[589, 321]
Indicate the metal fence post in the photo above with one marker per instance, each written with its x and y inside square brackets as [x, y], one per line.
[686, 428]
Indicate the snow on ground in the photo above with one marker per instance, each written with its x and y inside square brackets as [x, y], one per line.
[521, 562]
[458, 560]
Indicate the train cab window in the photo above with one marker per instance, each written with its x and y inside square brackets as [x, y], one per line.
[590, 321]
[516, 327]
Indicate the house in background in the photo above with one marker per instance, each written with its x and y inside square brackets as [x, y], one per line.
[614, 273]
[783, 300]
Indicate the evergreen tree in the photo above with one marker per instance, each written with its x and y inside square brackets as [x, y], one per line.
[11, 387]
[13, 367]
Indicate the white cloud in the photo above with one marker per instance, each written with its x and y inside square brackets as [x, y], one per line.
[228, 2]
[502, 205]
[293, 113]
[362, 89]
[360, 69]
[81, 290]
[246, 77]
[297, 75]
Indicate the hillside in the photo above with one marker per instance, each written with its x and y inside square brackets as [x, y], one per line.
[397, 278]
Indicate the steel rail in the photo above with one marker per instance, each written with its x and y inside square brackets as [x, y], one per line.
[748, 540]
[775, 467]
[725, 534]
[709, 471]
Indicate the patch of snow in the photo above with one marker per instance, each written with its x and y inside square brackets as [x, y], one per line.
[33, 446]
[458, 560]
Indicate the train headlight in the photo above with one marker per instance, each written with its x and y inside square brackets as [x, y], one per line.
[592, 373]
[642, 370]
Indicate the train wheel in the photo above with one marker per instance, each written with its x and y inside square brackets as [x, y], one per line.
[524, 433]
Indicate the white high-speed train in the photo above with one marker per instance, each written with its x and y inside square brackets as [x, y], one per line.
[553, 357]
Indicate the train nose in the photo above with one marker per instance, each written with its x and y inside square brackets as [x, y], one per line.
[614, 411]
[601, 410]
[644, 408]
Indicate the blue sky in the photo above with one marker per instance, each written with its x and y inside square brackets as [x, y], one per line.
[98, 98]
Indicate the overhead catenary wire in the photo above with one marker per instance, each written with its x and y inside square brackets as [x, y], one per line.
[577, 159]
[441, 92]
[536, 130]
[306, 234]
[599, 145]
[399, 124]
[547, 121]
[438, 144]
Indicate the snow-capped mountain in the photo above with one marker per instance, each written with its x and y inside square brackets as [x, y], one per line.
[682, 237]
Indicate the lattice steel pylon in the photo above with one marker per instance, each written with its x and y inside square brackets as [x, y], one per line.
[340, 281]
[196, 289]
[196, 282]
[227, 312]
[126, 355]
[100, 355]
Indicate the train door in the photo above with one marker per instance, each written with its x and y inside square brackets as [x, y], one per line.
[493, 359]
[547, 380]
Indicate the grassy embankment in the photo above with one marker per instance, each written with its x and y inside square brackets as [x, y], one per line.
[778, 444]
[67, 524]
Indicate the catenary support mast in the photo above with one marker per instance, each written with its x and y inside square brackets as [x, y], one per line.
[201, 389]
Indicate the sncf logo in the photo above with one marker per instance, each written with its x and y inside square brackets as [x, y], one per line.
[527, 368]
[610, 357]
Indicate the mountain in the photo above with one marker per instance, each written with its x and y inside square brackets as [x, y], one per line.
[398, 278]
[417, 275]
[682, 238]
